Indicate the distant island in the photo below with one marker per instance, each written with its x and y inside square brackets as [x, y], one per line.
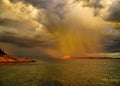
[96, 58]
[89, 57]
[4, 58]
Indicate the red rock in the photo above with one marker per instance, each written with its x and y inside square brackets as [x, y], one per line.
[13, 59]
[4, 58]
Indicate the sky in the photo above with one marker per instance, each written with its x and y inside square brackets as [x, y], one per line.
[54, 28]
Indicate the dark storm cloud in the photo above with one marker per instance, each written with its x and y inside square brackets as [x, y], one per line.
[19, 25]
[5, 21]
[55, 7]
[11, 23]
[114, 12]
[37, 3]
[112, 44]
[96, 4]
[91, 3]
[25, 41]
[54, 12]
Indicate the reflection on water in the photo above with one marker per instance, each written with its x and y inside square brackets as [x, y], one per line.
[62, 73]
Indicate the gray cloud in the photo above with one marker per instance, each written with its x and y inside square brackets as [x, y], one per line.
[24, 41]
[96, 4]
[19, 26]
[22, 27]
[37, 3]
[114, 12]
[112, 44]
[54, 9]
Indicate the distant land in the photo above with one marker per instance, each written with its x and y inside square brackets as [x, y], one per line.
[94, 58]
[89, 57]
[4, 58]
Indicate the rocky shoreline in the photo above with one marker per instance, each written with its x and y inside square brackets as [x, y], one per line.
[4, 58]
[13, 59]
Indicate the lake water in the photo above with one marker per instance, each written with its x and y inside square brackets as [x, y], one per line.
[77, 72]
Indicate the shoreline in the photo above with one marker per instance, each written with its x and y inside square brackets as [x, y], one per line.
[12, 59]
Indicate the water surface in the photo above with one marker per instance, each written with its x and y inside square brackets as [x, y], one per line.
[89, 72]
